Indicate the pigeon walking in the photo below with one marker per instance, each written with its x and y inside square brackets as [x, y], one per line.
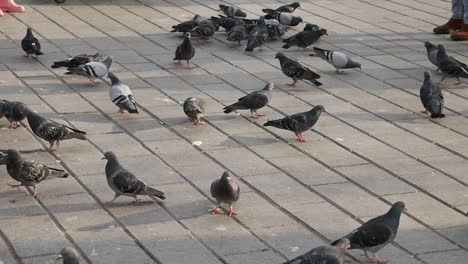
[296, 71]
[253, 101]
[29, 173]
[123, 182]
[237, 33]
[93, 70]
[304, 38]
[323, 254]
[225, 190]
[69, 256]
[194, 108]
[77, 61]
[450, 66]
[121, 95]
[185, 50]
[431, 97]
[232, 11]
[289, 8]
[337, 59]
[298, 123]
[15, 112]
[52, 131]
[31, 45]
[186, 26]
[286, 19]
[376, 233]
[258, 35]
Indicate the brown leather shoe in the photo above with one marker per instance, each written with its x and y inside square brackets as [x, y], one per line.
[461, 34]
[452, 25]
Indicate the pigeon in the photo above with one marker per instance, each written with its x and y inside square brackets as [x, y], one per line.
[121, 95]
[253, 101]
[224, 190]
[311, 27]
[323, 254]
[285, 8]
[232, 11]
[275, 29]
[15, 112]
[432, 53]
[237, 33]
[194, 108]
[286, 19]
[186, 26]
[431, 97]
[227, 22]
[123, 182]
[304, 38]
[52, 131]
[185, 50]
[298, 123]
[258, 35]
[376, 233]
[204, 30]
[93, 70]
[31, 45]
[3, 156]
[338, 59]
[450, 66]
[296, 71]
[29, 173]
[69, 256]
[77, 61]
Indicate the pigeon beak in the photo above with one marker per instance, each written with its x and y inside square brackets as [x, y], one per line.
[103, 158]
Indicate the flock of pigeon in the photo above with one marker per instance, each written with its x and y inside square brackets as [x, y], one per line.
[370, 237]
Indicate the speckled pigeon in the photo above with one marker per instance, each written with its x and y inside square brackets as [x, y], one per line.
[186, 26]
[450, 66]
[185, 50]
[237, 33]
[77, 61]
[93, 70]
[69, 256]
[29, 173]
[253, 101]
[232, 11]
[323, 254]
[296, 71]
[225, 190]
[31, 45]
[121, 95]
[258, 35]
[337, 59]
[298, 123]
[15, 112]
[275, 29]
[194, 108]
[431, 97]
[376, 233]
[123, 182]
[304, 38]
[204, 30]
[289, 8]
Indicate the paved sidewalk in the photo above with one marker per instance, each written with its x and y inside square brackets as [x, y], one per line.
[373, 147]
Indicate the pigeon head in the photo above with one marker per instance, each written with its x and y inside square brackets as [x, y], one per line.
[226, 176]
[261, 20]
[108, 61]
[109, 155]
[13, 155]
[354, 64]
[323, 31]
[29, 31]
[319, 108]
[428, 45]
[96, 57]
[69, 255]
[295, 5]
[114, 79]
[269, 86]
[187, 35]
[296, 20]
[427, 76]
[397, 209]
[342, 244]
[279, 55]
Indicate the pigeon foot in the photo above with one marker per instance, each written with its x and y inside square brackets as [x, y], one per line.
[109, 203]
[136, 202]
[215, 210]
[231, 213]
[342, 72]
[292, 84]
[381, 261]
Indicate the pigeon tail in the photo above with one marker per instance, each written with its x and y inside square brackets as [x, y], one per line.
[57, 173]
[153, 192]
[228, 109]
[59, 64]
[75, 133]
[274, 123]
[315, 82]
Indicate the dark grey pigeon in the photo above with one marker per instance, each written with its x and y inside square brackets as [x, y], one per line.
[52, 131]
[431, 97]
[31, 45]
[232, 11]
[225, 190]
[121, 95]
[258, 35]
[337, 59]
[29, 173]
[185, 50]
[186, 26]
[253, 101]
[323, 254]
[93, 70]
[194, 108]
[376, 233]
[123, 182]
[432, 53]
[311, 27]
[69, 256]
[289, 8]
[298, 123]
[204, 30]
[237, 33]
[15, 112]
[227, 22]
[77, 61]
[296, 71]
[449, 66]
[304, 38]
[275, 29]
[286, 19]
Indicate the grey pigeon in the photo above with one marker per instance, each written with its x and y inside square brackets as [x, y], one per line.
[29, 173]
[432, 53]
[69, 256]
[31, 45]
[289, 8]
[253, 101]
[225, 190]
[121, 95]
[227, 22]
[77, 61]
[275, 29]
[376, 233]
[52, 131]
[296, 71]
[194, 108]
[431, 97]
[304, 38]
[337, 59]
[15, 112]
[232, 11]
[185, 50]
[298, 123]
[93, 70]
[449, 66]
[204, 30]
[323, 254]
[237, 33]
[186, 26]
[286, 19]
[123, 182]
[258, 35]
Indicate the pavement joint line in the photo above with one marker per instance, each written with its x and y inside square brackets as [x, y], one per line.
[10, 247]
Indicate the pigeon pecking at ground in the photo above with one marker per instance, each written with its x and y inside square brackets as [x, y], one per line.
[224, 190]
[123, 182]
[185, 50]
[304, 38]
[52, 131]
[93, 70]
[31, 45]
[337, 59]
[289, 8]
[204, 30]
[69, 256]
[275, 29]
[237, 34]
[29, 173]
[15, 112]
[232, 11]
[253, 101]
[121, 95]
[77, 61]
[431, 97]
[376, 233]
[298, 123]
[186, 26]
[258, 35]
[323, 254]
[450, 66]
[194, 108]
[296, 71]
[227, 22]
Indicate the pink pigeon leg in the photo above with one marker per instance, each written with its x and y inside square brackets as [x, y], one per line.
[136, 202]
[369, 259]
[111, 202]
[215, 210]
[35, 193]
[58, 144]
[231, 212]
[10, 6]
[459, 81]
[293, 84]
[188, 63]
[300, 138]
